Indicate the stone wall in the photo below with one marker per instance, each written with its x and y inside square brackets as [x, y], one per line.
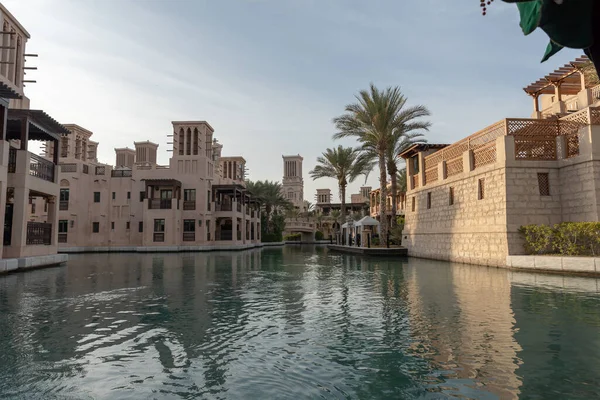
[471, 230]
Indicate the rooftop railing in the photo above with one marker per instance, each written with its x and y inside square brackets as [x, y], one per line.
[121, 173]
[535, 139]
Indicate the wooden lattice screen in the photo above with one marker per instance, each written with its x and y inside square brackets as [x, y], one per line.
[544, 184]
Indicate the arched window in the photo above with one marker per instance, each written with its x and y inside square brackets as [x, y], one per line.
[64, 183]
[188, 142]
[180, 143]
[195, 141]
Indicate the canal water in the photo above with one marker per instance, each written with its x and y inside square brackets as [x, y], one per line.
[295, 323]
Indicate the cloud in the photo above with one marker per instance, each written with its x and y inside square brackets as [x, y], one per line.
[270, 75]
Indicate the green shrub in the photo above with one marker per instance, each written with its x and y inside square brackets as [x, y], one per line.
[567, 238]
[375, 241]
[319, 235]
[538, 238]
[293, 237]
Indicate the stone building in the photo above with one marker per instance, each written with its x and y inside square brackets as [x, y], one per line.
[324, 207]
[375, 199]
[197, 202]
[466, 201]
[293, 182]
[24, 176]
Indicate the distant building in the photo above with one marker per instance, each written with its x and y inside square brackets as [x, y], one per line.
[293, 182]
[198, 200]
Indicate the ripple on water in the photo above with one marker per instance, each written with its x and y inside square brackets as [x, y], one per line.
[294, 324]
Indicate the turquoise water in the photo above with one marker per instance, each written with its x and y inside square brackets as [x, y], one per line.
[295, 323]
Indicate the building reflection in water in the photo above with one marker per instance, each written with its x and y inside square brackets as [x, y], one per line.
[291, 320]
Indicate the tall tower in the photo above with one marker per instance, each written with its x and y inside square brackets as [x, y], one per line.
[125, 157]
[292, 183]
[145, 152]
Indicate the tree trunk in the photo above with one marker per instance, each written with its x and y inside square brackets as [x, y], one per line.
[394, 189]
[382, 200]
[343, 196]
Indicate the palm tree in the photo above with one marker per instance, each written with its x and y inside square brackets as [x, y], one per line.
[270, 195]
[402, 182]
[343, 164]
[402, 139]
[375, 121]
[336, 217]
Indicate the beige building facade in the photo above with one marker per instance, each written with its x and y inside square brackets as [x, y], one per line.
[24, 176]
[293, 182]
[197, 202]
[466, 201]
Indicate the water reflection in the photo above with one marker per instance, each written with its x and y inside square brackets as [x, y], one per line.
[295, 322]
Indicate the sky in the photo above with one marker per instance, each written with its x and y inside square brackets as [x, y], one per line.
[270, 75]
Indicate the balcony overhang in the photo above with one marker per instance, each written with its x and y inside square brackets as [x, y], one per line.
[568, 77]
[40, 125]
[228, 189]
[162, 182]
[419, 147]
[7, 92]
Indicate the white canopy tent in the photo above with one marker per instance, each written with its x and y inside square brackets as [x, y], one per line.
[367, 221]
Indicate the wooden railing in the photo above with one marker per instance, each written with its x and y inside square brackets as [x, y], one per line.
[238, 206]
[121, 173]
[158, 237]
[41, 168]
[39, 233]
[189, 205]
[223, 207]
[100, 170]
[596, 92]
[63, 205]
[189, 236]
[62, 238]
[160, 204]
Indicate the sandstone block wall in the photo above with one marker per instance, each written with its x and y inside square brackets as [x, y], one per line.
[471, 230]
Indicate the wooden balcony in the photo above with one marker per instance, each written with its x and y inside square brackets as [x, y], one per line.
[223, 207]
[160, 204]
[189, 236]
[39, 233]
[41, 168]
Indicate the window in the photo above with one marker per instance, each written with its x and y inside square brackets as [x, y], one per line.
[199, 222]
[128, 195]
[114, 195]
[189, 194]
[166, 194]
[127, 225]
[96, 197]
[544, 184]
[159, 225]
[140, 226]
[415, 162]
[428, 200]
[142, 196]
[208, 201]
[63, 226]
[451, 197]
[95, 227]
[64, 195]
[45, 206]
[112, 225]
[33, 208]
[481, 189]
[412, 207]
[189, 225]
